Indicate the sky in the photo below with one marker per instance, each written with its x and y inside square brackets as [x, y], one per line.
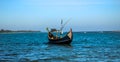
[84, 15]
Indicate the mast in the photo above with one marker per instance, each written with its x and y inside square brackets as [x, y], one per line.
[63, 25]
[61, 32]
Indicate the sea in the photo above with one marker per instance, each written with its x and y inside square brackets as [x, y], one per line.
[85, 47]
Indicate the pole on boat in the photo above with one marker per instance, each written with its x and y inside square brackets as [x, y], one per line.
[61, 29]
[63, 25]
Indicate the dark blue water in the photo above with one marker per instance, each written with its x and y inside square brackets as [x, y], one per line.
[86, 47]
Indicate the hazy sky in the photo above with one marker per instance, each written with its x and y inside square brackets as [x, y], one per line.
[84, 15]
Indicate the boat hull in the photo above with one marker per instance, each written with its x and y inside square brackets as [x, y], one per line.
[61, 41]
[64, 40]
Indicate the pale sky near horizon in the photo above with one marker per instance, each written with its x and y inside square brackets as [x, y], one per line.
[84, 15]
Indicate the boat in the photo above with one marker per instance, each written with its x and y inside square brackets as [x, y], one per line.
[67, 39]
[59, 39]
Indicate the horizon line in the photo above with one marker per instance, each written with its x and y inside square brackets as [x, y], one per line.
[64, 31]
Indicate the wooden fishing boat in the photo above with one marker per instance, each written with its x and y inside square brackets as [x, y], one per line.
[59, 39]
[67, 39]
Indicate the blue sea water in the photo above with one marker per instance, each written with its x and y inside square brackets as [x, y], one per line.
[85, 47]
